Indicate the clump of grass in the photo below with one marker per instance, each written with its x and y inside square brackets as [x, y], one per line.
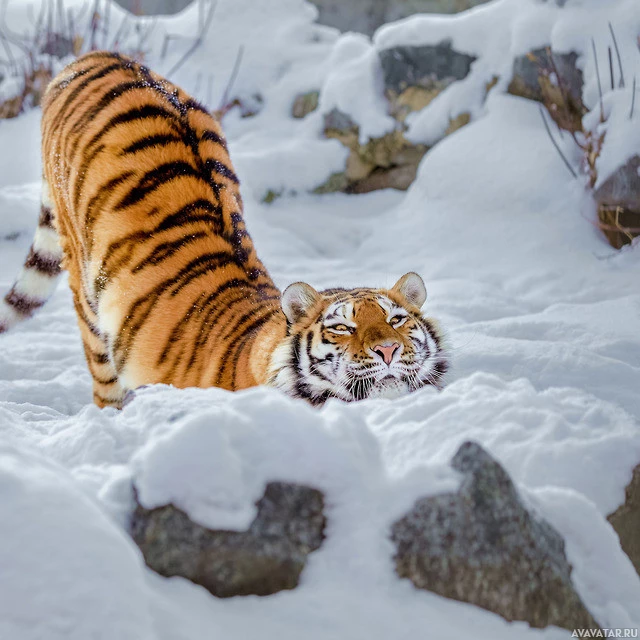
[567, 115]
[29, 60]
[619, 224]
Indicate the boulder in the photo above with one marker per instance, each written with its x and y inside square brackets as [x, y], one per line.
[268, 557]
[414, 76]
[626, 520]
[423, 66]
[483, 546]
[390, 161]
[618, 201]
[399, 178]
[554, 79]
[368, 15]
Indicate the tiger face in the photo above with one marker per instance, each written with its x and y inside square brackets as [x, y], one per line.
[358, 343]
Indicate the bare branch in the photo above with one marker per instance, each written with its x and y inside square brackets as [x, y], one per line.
[92, 25]
[232, 78]
[209, 91]
[106, 23]
[595, 59]
[563, 92]
[615, 44]
[561, 86]
[196, 86]
[613, 86]
[50, 9]
[148, 31]
[116, 39]
[72, 28]
[555, 144]
[198, 41]
[633, 98]
[7, 48]
[63, 30]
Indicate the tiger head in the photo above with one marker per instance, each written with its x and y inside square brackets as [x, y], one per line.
[358, 343]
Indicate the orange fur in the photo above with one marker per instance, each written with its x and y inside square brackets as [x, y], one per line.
[166, 282]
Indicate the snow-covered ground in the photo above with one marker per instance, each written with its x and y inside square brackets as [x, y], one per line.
[543, 320]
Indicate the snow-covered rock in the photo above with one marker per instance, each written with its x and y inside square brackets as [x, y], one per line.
[554, 79]
[618, 201]
[432, 68]
[482, 545]
[266, 558]
[367, 15]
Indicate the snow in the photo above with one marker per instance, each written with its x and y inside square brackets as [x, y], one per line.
[67, 572]
[575, 518]
[354, 87]
[542, 316]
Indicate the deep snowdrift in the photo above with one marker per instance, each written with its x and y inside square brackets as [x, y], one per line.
[541, 313]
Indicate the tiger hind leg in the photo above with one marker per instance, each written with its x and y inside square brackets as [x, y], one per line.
[107, 389]
[40, 272]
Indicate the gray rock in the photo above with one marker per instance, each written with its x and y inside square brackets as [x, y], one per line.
[154, 7]
[337, 120]
[527, 69]
[388, 162]
[482, 546]
[534, 77]
[266, 558]
[618, 201]
[429, 67]
[626, 520]
[367, 15]
[622, 188]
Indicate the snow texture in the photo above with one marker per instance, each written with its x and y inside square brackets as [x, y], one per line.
[541, 313]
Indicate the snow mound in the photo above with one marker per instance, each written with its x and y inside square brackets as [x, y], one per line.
[68, 572]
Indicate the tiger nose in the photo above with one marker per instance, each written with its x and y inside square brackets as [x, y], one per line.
[386, 351]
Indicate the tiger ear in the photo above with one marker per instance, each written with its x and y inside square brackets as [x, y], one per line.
[297, 299]
[411, 287]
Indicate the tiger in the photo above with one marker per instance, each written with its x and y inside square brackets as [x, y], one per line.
[141, 206]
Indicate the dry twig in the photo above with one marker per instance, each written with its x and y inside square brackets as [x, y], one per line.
[198, 41]
[555, 144]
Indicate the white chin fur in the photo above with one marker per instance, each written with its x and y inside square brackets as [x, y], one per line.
[389, 389]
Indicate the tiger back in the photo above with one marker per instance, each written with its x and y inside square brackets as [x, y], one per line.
[165, 278]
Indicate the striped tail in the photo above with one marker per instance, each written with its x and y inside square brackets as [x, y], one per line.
[39, 276]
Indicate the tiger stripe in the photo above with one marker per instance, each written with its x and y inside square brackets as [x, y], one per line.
[39, 275]
[166, 282]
